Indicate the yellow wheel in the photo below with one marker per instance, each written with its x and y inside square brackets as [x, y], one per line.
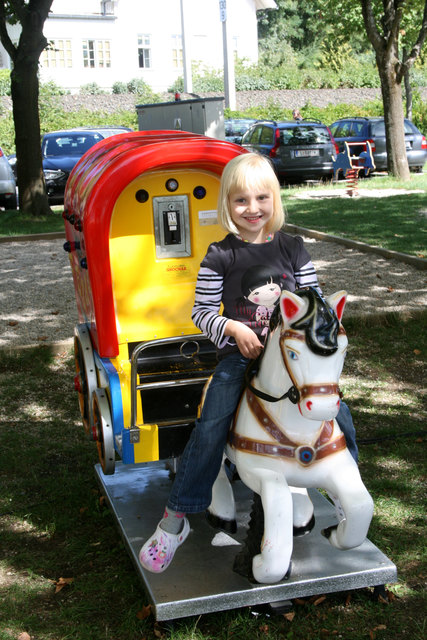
[103, 430]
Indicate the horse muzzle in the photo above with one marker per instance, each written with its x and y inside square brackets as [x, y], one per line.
[319, 401]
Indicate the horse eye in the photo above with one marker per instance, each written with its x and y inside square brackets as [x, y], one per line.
[292, 355]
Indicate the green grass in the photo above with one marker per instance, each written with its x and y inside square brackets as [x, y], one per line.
[17, 223]
[397, 222]
[54, 523]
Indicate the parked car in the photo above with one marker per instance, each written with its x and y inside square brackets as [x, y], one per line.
[8, 198]
[61, 150]
[236, 127]
[299, 150]
[362, 129]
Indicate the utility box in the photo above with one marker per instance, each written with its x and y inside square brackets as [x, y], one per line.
[200, 115]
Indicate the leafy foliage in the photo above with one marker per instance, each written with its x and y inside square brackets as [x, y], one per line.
[4, 82]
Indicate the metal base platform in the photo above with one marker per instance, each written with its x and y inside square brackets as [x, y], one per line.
[201, 578]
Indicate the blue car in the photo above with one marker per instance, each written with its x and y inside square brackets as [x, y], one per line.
[372, 129]
[61, 150]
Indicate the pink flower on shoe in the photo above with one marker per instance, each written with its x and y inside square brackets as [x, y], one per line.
[158, 552]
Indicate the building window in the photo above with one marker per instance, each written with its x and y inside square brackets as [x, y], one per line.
[57, 55]
[177, 60]
[97, 53]
[144, 51]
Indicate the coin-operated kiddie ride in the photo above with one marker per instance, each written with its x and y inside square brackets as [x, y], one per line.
[140, 211]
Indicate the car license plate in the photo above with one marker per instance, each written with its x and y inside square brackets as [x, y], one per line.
[306, 153]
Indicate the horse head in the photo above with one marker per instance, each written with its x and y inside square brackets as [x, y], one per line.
[313, 345]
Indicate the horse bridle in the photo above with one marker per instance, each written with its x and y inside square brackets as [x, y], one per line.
[293, 393]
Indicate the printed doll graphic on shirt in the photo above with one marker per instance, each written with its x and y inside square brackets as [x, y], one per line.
[262, 289]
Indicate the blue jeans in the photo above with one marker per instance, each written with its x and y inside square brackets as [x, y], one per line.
[202, 457]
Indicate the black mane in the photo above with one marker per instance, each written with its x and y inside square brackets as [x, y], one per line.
[319, 323]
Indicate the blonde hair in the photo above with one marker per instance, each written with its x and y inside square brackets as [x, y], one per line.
[255, 171]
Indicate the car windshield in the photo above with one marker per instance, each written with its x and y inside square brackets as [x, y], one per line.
[69, 145]
[237, 127]
[379, 128]
[304, 135]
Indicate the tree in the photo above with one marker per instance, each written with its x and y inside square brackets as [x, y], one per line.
[383, 32]
[31, 15]
[397, 30]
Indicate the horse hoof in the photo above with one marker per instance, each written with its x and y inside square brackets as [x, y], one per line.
[229, 526]
[302, 531]
[328, 531]
[268, 577]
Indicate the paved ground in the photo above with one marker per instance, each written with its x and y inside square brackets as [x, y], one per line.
[37, 303]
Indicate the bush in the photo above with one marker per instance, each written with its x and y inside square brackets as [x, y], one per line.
[7, 133]
[4, 82]
[91, 89]
[328, 114]
[50, 88]
[119, 87]
[419, 112]
[177, 86]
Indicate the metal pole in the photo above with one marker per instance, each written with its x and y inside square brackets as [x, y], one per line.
[229, 81]
[186, 55]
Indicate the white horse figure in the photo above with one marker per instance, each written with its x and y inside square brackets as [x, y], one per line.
[285, 438]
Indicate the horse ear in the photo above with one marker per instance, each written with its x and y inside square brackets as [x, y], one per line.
[292, 306]
[337, 302]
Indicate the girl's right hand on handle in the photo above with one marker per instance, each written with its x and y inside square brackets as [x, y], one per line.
[246, 339]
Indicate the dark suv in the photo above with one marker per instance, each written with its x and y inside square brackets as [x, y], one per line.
[61, 150]
[373, 130]
[299, 150]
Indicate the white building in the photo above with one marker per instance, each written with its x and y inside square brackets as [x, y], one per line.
[107, 41]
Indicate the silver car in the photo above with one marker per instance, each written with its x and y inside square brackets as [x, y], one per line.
[8, 199]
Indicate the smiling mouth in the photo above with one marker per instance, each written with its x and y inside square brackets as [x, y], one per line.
[253, 218]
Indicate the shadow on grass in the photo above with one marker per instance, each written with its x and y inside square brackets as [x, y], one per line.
[53, 522]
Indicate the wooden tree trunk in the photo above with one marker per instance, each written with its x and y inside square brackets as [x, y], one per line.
[25, 93]
[397, 162]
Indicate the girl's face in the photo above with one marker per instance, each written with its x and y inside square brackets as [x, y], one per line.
[265, 295]
[251, 208]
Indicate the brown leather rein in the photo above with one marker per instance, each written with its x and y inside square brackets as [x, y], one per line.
[305, 454]
[285, 447]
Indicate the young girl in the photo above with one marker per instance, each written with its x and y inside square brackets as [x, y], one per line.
[250, 209]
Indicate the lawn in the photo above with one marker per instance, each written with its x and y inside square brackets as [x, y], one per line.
[396, 222]
[17, 223]
[64, 571]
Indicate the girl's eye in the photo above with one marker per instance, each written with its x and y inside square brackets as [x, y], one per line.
[292, 355]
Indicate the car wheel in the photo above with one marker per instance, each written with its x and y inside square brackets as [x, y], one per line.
[12, 204]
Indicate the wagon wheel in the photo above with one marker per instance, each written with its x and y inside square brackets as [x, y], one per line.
[103, 430]
[85, 379]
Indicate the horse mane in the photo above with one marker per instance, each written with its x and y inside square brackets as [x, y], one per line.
[319, 323]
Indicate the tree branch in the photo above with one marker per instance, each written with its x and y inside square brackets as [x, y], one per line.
[409, 60]
[377, 41]
[4, 36]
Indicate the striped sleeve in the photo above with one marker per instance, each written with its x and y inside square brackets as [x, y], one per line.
[306, 276]
[207, 303]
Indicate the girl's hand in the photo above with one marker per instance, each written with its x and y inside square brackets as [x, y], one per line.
[246, 339]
